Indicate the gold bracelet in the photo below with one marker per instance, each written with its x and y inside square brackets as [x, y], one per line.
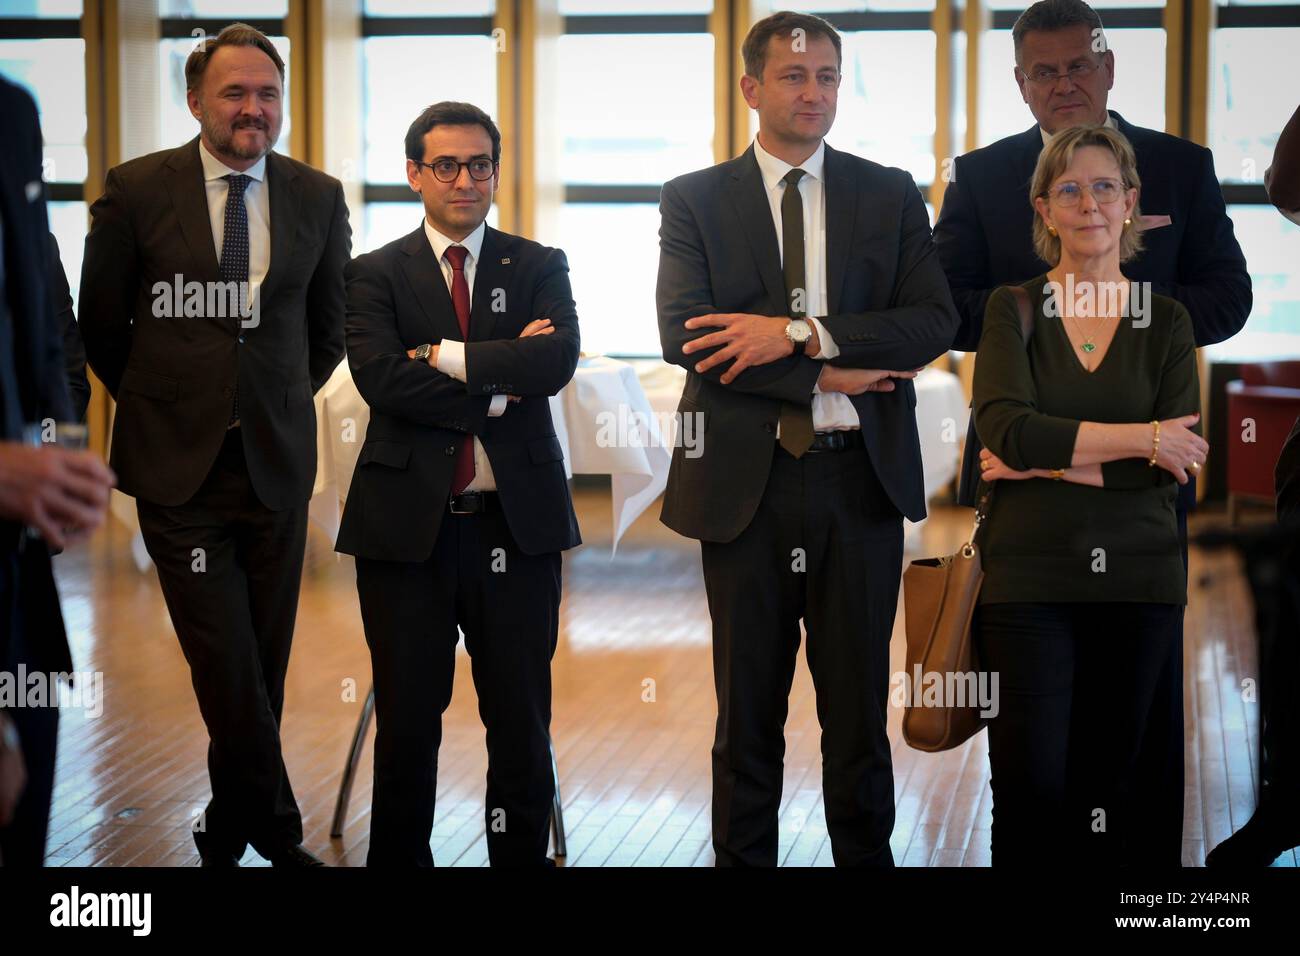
[1155, 444]
[1056, 474]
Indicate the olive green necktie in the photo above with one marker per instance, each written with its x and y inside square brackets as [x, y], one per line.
[796, 420]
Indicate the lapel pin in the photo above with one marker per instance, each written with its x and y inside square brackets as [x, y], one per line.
[505, 261]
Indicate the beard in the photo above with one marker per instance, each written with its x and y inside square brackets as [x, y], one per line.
[222, 135]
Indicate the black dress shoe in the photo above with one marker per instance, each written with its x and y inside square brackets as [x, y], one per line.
[219, 860]
[295, 856]
[1266, 836]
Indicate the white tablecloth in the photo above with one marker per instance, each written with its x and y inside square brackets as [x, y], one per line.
[941, 415]
[602, 418]
[941, 418]
[613, 419]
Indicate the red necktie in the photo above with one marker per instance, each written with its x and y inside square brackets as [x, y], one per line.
[462, 472]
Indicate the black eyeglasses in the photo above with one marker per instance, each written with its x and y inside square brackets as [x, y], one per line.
[447, 170]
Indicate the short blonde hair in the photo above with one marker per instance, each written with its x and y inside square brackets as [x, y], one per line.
[1055, 160]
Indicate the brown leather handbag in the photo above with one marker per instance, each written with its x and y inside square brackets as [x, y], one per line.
[939, 599]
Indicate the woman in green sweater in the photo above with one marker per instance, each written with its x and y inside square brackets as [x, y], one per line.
[1088, 427]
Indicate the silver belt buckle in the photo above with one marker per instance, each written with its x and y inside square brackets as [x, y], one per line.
[451, 503]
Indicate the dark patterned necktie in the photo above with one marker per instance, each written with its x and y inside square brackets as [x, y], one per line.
[462, 472]
[796, 420]
[234, 252]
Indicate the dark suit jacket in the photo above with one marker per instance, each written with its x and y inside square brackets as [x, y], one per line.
[985, 239]
[397, 300]
[889, 309]
[32, 384]
[985, 231]
[74, 353]
[173, 378]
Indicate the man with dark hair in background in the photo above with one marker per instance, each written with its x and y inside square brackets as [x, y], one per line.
[1065, 70]
[215, 430]
[799, 288]
[61, 493]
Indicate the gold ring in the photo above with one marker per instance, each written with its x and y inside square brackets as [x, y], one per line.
[1196, 466]
[984, 465]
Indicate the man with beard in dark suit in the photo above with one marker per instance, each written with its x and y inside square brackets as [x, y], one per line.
[212, 309]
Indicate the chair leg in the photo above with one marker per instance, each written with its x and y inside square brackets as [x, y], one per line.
[557, 812]
[350, 768]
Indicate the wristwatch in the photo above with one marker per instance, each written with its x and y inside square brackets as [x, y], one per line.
[422, 352]
[798, 332]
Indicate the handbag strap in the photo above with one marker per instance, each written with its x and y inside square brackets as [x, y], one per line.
[984, 491]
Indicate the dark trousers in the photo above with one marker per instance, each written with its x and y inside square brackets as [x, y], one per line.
[1077, 686]
[1273, 570]
[1161, 778]
[826, 545]
[22, 842]
[230, 571]
[507, 603]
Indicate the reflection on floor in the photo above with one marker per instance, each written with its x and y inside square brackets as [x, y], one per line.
[634, 766]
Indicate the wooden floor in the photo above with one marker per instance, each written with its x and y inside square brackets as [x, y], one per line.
[634, 772]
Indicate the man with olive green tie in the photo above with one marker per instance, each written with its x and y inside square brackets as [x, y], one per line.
[799, 288]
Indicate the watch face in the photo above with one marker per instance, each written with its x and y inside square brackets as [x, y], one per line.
[799, 331]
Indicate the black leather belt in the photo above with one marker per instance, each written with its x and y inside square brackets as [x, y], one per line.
[472, 503]
[834, 441]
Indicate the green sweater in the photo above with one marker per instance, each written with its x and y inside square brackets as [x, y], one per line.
[1057, 541]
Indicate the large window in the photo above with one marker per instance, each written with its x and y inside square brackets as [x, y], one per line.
[408, 63]
[1252, 96]
[635, 108]
[41, 49]
[633, 101]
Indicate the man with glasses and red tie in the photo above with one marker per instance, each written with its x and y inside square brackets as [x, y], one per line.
[459, 508]
[1065, 71]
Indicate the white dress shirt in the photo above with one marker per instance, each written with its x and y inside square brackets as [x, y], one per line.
[451, 353]
[831, 411]
[1047, 137]
[257, 202]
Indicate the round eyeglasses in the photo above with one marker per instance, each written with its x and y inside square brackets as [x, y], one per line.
[447, 170]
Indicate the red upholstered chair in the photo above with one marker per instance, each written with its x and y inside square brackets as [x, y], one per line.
[1266, 400]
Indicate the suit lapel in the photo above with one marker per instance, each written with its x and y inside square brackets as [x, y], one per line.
[188, 194]
[1031, 145]
[424, 275]
[841, 204]
[286, 196]
[492, 272]
[750, 201]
